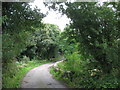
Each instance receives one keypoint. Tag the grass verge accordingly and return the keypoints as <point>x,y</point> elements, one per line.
<point>14,80</point>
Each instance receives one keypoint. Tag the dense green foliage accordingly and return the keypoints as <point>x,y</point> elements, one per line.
<point>95,28</point>
<point>25,38</point>
<point>90,43</point>
<point>18,21</point>
<point>43,43</point>
<point>94,32</point>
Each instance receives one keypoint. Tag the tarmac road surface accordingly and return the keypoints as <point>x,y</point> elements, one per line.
<point>39,77</point>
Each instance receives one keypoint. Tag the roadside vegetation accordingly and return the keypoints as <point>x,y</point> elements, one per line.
<point>27,42</point>
<point>13,78</point>
<point>90,43</point>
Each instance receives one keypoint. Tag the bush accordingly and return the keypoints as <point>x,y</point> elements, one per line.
<point>84,75</point>
<point>25,59</point>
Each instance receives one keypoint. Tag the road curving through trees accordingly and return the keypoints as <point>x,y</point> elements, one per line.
<point>40,77</point>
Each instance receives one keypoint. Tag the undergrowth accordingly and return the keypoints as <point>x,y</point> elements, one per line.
<point>84,75</point>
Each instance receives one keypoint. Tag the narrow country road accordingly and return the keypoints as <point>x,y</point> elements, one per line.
<point>40,77</point>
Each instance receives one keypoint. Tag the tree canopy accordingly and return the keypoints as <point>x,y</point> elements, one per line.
<point>90,43</point>
<point>96,28</point>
